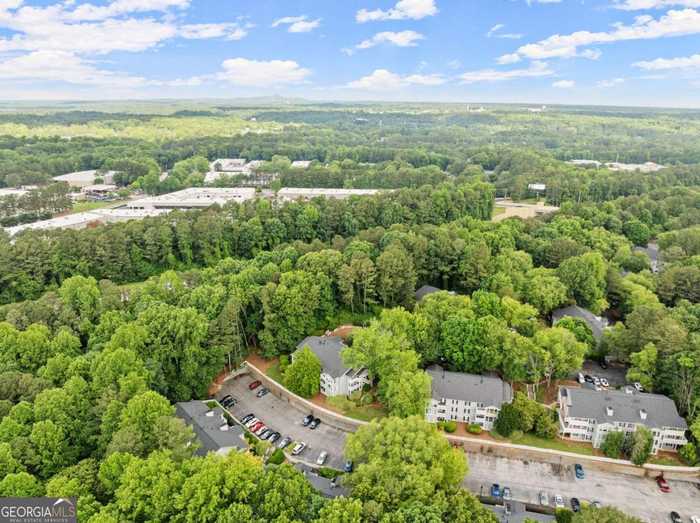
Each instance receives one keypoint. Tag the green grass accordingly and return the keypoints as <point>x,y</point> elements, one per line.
<point>357,318</point>
<point>498,210</point>
<point>666,460</point>
<point>275,373</point>
<point>554,444</point>
<point>352,410</point>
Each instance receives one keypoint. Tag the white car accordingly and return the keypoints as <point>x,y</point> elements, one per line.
<point>558,501</point>
<point>695,519</point>
<point>322,457</point>
<point>581,378</point>
<point>252,422</point>
<point>604,383</point>
<point>638,386</point>
<point>298,448</point>
<point>596,381</point>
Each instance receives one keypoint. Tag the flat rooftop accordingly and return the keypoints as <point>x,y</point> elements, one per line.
<point>194,198</point>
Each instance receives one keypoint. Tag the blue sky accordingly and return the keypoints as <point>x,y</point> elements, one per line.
<point>626,52</point>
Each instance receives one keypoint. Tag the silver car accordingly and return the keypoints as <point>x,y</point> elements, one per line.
<point>322,457</point>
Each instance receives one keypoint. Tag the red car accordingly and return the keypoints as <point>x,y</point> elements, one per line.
<point>663,485</point>
<point>257,426</point>
<point>255,384</point>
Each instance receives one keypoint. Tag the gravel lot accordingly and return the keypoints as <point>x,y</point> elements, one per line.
<point>284,418</point>
<point>637,496</point>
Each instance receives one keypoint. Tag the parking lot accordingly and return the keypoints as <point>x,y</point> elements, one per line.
<point>279,415</point>
<point>640,497</point>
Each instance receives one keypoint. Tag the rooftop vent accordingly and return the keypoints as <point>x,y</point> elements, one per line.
<point>210,413</point>
<point>609,410</point>
<point>643,414</point>
<point>224,427</point>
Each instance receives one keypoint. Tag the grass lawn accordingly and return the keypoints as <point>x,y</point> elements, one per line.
<point>91,206</point>
<point>666,460</point>
<point>352,410</point>
<point>554,444</point>
<point>275,373</point>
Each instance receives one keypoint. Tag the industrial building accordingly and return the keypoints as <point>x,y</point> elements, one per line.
<point>194,198</point>
<point>303,193</point>
<point>82,178</point>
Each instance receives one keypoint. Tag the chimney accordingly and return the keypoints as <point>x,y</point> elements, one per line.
<point>224,427</point>
<point>609,410</point>
<point>643,414</point>
<point>210,413</point>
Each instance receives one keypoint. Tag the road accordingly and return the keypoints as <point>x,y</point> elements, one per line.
<point>635,496</point>
<point>284,418</point>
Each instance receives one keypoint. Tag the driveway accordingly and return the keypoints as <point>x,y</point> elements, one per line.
<point>286,419</point>
<point>636,496</point>
<point>614,374</point>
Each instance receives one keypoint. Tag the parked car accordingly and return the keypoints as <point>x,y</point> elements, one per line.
<point>245,419</point>
<point>266,434</point>
<point>284,442</point>
<point>663,484</point>
<point>257,426</point>
<point>558,501</point>
<point>225,398</point>
<point>262,392</point>
<point>596,381</point>
<point>298,448</point>
<point>581,378</point>
<point>251,422</point>
<point>544,499</point>
<point>274,437</point>
<point>638,386</point>
<point>603,364</point>
<point>596,504</point>
<point>604,383</point>
<point>495,490</point>
<point>228,403</point>
<point>315,423</point>
<point>578,470</point>
<point>695,519</point>
<point>675,517</point>
<point>348,466</point>
<point>307,419</point>
<point>262,428</point>
<point>507,495</point>
<point>575,504</point>
<point>322,457</point>
<point>255,384</point>
<point>588,378</point>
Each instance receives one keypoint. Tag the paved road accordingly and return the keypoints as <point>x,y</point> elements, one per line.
<point>284,418</point>
<point>635,496</point>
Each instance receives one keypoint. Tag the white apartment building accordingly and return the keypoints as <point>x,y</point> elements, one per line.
<point>336,378</point>
<point>588,415</point>
<point>466,398</point>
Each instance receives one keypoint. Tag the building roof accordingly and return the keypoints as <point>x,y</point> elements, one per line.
<point>85,177</point>
<point>229,164</point>
<point>627,407</point>
<point>596,323</point>
<point>323,486</point>
<point>518,513</point>
<point>210,426</point>
<point>194,198</point>
<point>328,349</point>
<point>300,164</point>
<point>12,192</point>
<point>425,290</point>
<point>489,390</point>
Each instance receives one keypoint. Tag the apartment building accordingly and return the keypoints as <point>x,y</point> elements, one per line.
<point>466,398</point>
<point>588,415</point>
<point>337,379</point>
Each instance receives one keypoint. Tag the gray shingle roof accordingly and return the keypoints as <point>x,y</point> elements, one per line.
<point>208,427</point>
<point>596,323</point>
<point>323,486</point>
<point>327,348</point>
<point>424,291</point>
<point>490,391</point>
<point>626,406</point>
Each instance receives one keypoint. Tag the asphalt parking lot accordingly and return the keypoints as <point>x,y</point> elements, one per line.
<point>636,496</point>
<point>614,374</point>
<point>287,420</point>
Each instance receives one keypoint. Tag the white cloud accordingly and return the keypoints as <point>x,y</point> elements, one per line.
<point>636,5</point>
<point>506,59</point>
<point>10,4</point>
<point>495,32</point>
<point>610,83</point>
<point>297,24</point>
<point>530,2</point>
<point>564,84</point>
<point>261,73</point>
<point>403,10</point>
<point>399,39</point>
<point>230,31</point>
<point>536,69</point>
<point>673,23</point>
<point>383,80</point>
<point>663,64</point>
<point>121,7</point>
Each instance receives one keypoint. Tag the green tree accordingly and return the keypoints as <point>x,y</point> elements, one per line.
<point>396,281</point>
<point>303,376</point>
<point>643,367</point>
<point>589,514</point>
<point>584,276</point>
<point>642,441</point>
<point>20,484</point>
<point>613,444</point>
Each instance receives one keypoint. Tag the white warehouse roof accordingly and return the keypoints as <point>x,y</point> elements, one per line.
<point>194,198</point>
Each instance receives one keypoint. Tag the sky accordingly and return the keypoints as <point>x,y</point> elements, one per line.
<point>610,52</point>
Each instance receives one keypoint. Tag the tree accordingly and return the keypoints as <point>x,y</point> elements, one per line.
<point>341,510</point>
<point>397,278</point>
<point>282,493</point>
<point>51,447</point>
<point>613,444</point>
<point>643,367</point>
<point>20,484</point>
<point>401,460</point>
<point>565,352</point>
<point>580,329</point>
<point>302,377</point>
<point>590,514</point>
<point>642,441</point>
<point>584,276</point>
<point>508,420</point>
<point>407,393</point>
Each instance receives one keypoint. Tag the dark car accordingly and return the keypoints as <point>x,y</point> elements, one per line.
<point>348,466</point>
<point>266,434</point>
<point>588,378</point>
<point>284,443</point>
<point>603,365</point>
<point>262,392</point>
<point>578,469</point>
<point>229,403</point>
<point>315,423</point>
<point>255,384</point>
<point>676,517</point>
<point>495,490</point>
<point>245,419</point>
<point>575,504</point>
<point>225,398</point>
<point>274,437</point>
<point>308,419</point>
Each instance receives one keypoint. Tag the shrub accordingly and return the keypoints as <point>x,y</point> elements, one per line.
<point>474,428</point>
<point>277,457</point>
<point>450,426</point>
<point>643,441</point>
<point>612,444</point>
<point>441,425</point>
<point>284,362</point>
<point>545,426</point>
<point>508,420</point>
<point>689,454</point>
<point>564,515</point>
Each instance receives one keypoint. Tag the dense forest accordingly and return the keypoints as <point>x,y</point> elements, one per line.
<point>104,328</point>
